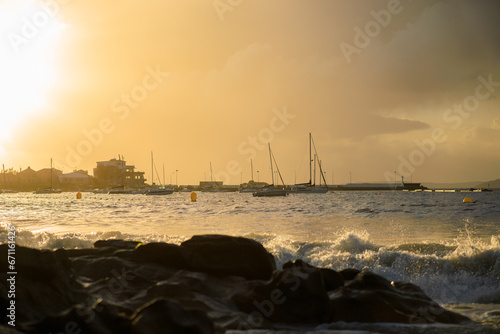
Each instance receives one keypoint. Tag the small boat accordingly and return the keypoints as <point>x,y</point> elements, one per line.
<point>310,187</point>
<point>160,190</point>
<point>213,187</point>
<point>251,186</point>
<point>272,190</point>
<point>247,190</point>
<point>48,191</point>
<point>120,190</point>
<point>157,190</point>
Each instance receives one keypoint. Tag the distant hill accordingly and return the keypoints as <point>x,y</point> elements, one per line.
<point>495,184</point>
<point>465,185</point>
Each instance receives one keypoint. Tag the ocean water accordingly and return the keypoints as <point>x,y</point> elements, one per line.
<point>449,248</point>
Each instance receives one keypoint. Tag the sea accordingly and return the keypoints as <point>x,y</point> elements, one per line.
<point>449,248</point>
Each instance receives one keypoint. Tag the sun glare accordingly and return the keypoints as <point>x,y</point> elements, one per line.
<point>29,35</point>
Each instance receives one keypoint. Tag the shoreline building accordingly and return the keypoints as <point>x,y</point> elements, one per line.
<point>78,179</point>
<point>116,173</point>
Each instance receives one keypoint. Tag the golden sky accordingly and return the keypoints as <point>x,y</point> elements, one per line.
<point>384,86</point>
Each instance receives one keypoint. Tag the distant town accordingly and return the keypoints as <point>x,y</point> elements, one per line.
<point>107,175</point>
<point>116,174</point>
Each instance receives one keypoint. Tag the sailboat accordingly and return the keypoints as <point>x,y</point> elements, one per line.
<point>250,186</point>
<point>51,190</point>
<point>310,187</point>
<point>213,184</point>
<point>161,189</point>
<point>272,190</point>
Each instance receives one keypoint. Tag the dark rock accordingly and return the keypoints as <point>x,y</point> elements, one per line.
<point>349,273</point>
<point>99,268</point>
<point>226,256</point>
<point>294,295</point>
<point>208,284</point>
<point>331,279</point>
<point>117,243</point>
<point>366,280</point>
<point>164,316</point>
<point>411,290</point>
<point>168,255</point>
<point>45,283</point>
<point>102,318</point>
<point>371,298</point>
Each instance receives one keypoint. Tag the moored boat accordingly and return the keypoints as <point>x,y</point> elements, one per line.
<point>310,187</point>
<point>272,190</point>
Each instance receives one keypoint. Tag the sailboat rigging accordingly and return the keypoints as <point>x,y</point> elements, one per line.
<point>272,190</point>
<point>160,189</point>
<point>310,187</point>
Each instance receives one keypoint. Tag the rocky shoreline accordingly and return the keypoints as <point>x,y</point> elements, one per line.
<point>208,284</point>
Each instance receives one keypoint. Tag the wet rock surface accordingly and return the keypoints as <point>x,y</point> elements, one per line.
<point>208,284</point>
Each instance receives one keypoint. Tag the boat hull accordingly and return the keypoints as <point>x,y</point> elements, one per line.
<point>159,192</point>
<point>270,193</point>
<point>309,191</point>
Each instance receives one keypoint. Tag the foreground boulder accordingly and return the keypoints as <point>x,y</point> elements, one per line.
<point>223,255</point>
<point>368,297</point>
<point>45,284</point>
<point>208,284</point>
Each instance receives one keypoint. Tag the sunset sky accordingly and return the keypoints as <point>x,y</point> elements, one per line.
<point>384,86</point>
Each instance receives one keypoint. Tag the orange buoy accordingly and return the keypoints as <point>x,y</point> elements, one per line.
<point>467,200</point>
<point>193,197</point>
<point>78,195</point>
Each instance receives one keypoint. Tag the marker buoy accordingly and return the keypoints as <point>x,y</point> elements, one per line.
<point>78,195</point>
<point>193,197</point>
<point>467,200</point>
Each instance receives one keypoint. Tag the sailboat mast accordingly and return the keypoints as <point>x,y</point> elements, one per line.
<point>251,167</point>
<point>211,175</point>
<point>51,173</point>
<point>321,171</point>
<point>4,178</point>
<point>310,160</point>
<point>152,170</point>
<point>271,158</point>
<point>314,183</point>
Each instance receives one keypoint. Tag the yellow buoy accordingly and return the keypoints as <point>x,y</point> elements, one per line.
<point>78,195</point>
<point>467,200</point>
<point>193,197</point>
